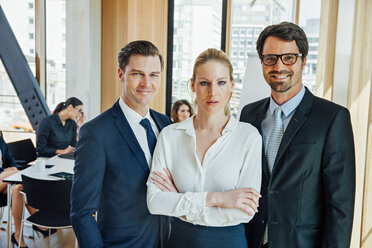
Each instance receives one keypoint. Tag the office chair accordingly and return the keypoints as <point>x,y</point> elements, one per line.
<point>3,204</point>
<point>23,152</point>
<point>52,199</point>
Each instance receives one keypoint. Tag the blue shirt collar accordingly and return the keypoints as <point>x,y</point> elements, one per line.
<point>290,106</point>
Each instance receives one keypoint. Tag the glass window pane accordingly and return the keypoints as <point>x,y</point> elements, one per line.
<point>55,52</point>
<point>197,26</point>
<point>310,21</point>
<point>21,17</point>
<point>248,19</point>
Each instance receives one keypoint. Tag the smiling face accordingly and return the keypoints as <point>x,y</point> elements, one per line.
<point>212,86</point>
<point>286,79</point>
<point>141,81</point>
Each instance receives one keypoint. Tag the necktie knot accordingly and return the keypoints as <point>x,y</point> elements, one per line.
<point>151,138</point>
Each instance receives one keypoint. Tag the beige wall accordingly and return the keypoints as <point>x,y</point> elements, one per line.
<point>359,101</point>
<point>124,21</point>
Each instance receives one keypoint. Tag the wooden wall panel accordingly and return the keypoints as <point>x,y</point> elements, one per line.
<point>124,21</point>
<point>359,103</point>
<point>326,49</point>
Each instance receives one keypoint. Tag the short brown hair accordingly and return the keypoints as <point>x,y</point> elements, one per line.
<point>141,47</point>
<point>287,31</point>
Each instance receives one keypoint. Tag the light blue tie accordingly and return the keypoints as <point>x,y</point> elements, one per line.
<point>272,148</point>
<point>275,139</point>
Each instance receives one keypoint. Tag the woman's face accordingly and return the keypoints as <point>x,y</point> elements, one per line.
<point>212,86</point>
<point>76,112</point>
<point>183,112</point>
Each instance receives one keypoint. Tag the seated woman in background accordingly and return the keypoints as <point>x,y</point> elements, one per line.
<point>8,166</point>
<point>206,170</point>
<point>58,133</point>
<point>181,110</point>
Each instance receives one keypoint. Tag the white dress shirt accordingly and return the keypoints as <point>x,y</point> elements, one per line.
<point>233,161</point>
<point>134,119</point>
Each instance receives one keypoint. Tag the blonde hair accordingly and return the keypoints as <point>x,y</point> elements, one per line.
<point>219,56</point>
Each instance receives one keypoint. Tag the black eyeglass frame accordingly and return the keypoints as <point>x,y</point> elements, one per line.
<point>281,58</point>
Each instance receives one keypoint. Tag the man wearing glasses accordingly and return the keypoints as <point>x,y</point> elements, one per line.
<point>308,178</point>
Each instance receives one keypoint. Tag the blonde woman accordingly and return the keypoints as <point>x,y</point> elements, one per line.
<point>206,170</point>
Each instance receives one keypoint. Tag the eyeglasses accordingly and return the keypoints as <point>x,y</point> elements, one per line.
<point>286,58</point>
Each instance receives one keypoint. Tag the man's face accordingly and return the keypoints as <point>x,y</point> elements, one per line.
<point>141,81</point>
<point>280,77</point>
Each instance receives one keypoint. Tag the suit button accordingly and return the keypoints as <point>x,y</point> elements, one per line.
<point>262,221</point>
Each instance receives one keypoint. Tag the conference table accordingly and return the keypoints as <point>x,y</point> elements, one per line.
<point>39,170</point>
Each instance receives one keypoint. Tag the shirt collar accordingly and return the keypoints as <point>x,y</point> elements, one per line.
<point>188,125</point>
<point>131,115</point>
<point>56,117</point>
<point>290,106</point>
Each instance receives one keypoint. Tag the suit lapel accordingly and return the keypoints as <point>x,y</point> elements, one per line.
<point>260,114</point>
<point>298,119</point>
<point>157,120</point>
<point>128,135</point>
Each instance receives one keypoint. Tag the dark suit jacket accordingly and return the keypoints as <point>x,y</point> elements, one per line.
<point>308,201</point>
<point>8,160</point>
<point>110,177</point>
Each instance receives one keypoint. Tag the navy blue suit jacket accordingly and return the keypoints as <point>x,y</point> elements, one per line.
<point>110,177</point>
<point>8,160</point>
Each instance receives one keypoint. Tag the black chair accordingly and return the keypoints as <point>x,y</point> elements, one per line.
<point>51,198</point>
<point>23,151</point>
<point>3,203</point>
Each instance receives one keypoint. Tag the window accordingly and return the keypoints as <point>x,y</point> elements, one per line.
<point>13,118</point>
<point>56,52</point>
<point>310,21</point>
<point>252,16</point>
<point>31,20</point>
<point>196,27</point>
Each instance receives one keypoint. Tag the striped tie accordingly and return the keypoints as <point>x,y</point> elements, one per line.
<point>275,139</point>
<point>272,148</point>
<point>151,138</point>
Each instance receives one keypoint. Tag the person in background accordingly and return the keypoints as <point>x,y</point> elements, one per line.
<point>113,156</point>
<point>206,170</point>
<point>181,110</point>
<point>58,132</point>
<point>308,169</point>
<point>8,167</point>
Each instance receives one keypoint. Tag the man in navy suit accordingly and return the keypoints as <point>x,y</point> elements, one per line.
<point>113,156</point>
<point>308,169</point>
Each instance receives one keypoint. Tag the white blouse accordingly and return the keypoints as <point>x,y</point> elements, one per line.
<point>233,161</point>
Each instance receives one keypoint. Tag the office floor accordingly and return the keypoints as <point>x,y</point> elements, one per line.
<point>64,238</point>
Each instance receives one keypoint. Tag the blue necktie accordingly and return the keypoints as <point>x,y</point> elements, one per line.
<point>151,138</point>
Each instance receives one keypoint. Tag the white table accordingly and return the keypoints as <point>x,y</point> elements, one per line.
<point>60,165</point>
